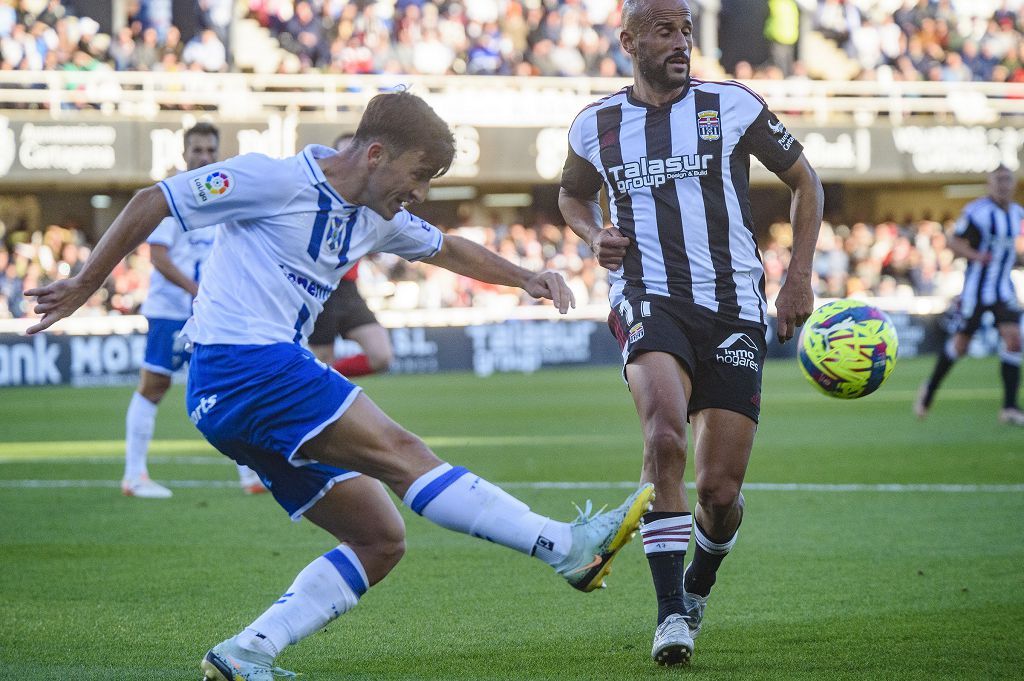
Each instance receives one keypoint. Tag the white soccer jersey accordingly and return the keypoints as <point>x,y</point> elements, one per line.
<point>287,239</point>
<point>187,251</point>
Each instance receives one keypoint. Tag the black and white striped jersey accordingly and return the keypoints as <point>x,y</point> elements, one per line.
<point>677,178</point>
<point>990,229</point>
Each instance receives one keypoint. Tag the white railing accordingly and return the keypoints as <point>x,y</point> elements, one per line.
<point>480,101</point>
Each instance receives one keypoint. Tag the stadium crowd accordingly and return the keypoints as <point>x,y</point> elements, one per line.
<point>936,40</point>
<point>886,259</point>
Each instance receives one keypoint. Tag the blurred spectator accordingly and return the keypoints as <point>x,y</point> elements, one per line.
<point>148,52</point>
<point>206,50</point>
<point>782,29</point>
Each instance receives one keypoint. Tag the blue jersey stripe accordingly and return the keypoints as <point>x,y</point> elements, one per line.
<point>348,571</point>
<point>343,253</point>
<point>299,323</point>
<point>438,485</point>
<point>323,212</point>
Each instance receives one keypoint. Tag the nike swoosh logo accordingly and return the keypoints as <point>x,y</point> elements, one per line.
<point>594,563</point>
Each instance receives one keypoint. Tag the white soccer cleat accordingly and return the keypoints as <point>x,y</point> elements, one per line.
<point>673,643</point>
<point>597,538</point>
<point>144,488</point>
<point>1011,416</point>
<point>694,606</point>
<point>228,661</point>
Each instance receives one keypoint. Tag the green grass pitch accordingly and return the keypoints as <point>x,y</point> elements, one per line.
<point>914,570</point>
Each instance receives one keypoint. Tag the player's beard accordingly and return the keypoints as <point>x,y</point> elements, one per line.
<point>656,74</point>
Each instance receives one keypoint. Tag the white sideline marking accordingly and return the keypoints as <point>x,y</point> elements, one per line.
<point>215,460</point>
<point>623,484</point>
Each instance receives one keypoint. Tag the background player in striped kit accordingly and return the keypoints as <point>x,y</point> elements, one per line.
<point>291,228</point>
<point>986,235</point>
<point>346,314</point>
<point>687,286</point>
<point>177,260</point>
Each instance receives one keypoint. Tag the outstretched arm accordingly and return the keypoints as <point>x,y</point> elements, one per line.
<point>129,229</point>
<point>795,301</point>
<point>469,259</point>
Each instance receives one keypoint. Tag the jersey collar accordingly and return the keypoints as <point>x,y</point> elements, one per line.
<point>316,176</point>
<point>644,105</point>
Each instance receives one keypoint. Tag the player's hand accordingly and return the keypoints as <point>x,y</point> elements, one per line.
<point>793,305</point>
<point>609,247</point>
<point>552,286</point>
<point>58,300</point>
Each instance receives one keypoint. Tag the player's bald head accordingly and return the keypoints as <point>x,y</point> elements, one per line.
<point>638,15</point>
<point>1002,183</point>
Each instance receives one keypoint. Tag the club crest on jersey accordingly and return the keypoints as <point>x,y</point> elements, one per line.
<point>335,232</point>
<point>709,125</point>
<point>209,186</point>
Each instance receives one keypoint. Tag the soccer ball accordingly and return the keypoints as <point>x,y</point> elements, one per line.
<point>847,349</point>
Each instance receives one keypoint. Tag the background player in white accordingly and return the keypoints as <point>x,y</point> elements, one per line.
<point>177,259</point>
<point>346,314</point>
<point>292,227</point>
<point>986,235</point>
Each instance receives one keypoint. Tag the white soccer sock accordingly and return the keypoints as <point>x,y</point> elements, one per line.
<point>458,500</point>
<point>1011,358</point>
<point>139,424</point>
<point>326,588</point>
<point>711,547</point>
<point>667,535</point>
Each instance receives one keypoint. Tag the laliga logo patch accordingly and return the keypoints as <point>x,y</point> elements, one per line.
<point>636,332</point>
<point>218,183</point>
<point>709,125</point>
<point>211,186</point>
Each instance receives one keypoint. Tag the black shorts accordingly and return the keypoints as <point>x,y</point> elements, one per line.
<point>723,357</point>
<point>1004,313</point>
<point>343,311</point>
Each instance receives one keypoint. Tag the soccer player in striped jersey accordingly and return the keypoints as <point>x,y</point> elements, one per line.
<point>292,228</point>
<point>687,286</point>
<point>178,259</point>
<point>987,236</point>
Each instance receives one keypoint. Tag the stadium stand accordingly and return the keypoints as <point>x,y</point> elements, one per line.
<point>902,40</point>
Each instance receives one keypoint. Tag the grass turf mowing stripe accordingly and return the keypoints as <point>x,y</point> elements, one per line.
<point>26,452</point>
<point>541,485</point>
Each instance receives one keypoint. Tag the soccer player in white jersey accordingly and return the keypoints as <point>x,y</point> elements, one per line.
<point>258,395</point>
<point>178,259</point>
<point>687,286</point>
